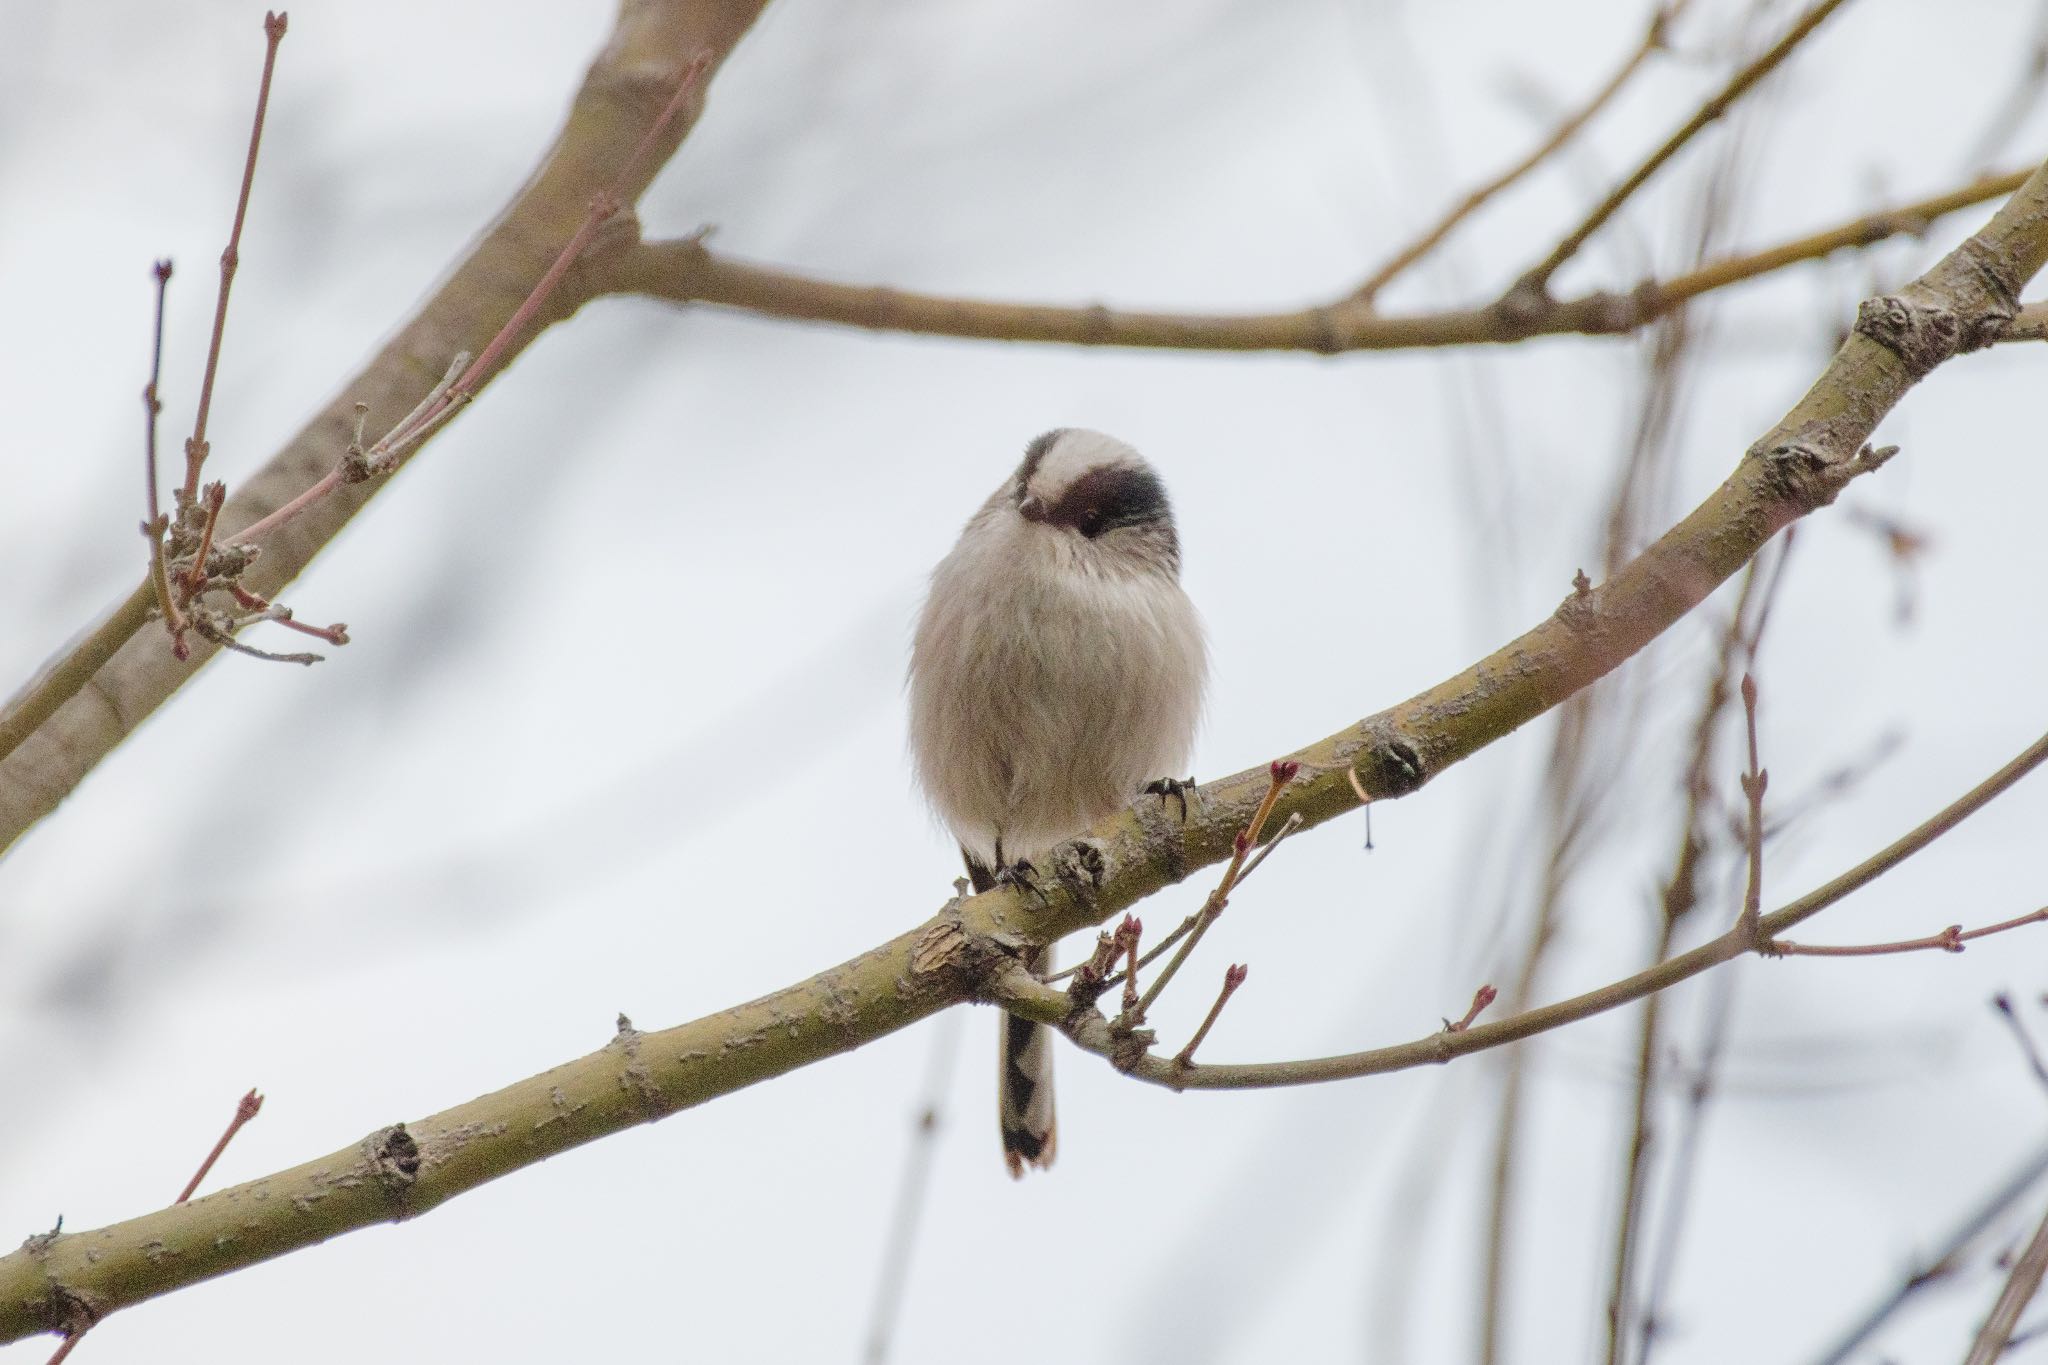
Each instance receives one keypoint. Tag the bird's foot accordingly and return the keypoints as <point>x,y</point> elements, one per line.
<point>1175,787</point>
<point>1020,874</point>
<point>1078,865</point>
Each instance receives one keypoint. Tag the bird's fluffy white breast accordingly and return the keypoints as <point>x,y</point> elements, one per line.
<point>1046,689</point>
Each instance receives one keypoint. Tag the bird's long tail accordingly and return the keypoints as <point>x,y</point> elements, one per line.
<point>1024,1108</point>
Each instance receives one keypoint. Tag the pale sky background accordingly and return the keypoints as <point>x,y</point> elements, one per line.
<point>621,728</point>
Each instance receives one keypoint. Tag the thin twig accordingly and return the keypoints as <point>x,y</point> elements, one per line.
<point>160,582</point>
<point>1280,774</point>
<point>196,446</point>
<point>1654,40</point>
<point>1093,973</point>
<point>248,1107</point>
<point>64,1348</point>
<point>1535,284</point>
<point>1439,1047</point>
<point>226,640</point>
<point>1753,783</point>
<point>245,1109</point>
<point>1233,977</point>
<point>212,499</point>
<point>1288,826</point>
<point>1146,959</point>
<point>356,463</point>
<point>336,634</point>
<point>1949,940</point>
<point>458,365</point>
<point>1128,934</point>
<point>152,406</point>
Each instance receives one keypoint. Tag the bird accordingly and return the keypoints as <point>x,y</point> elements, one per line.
<point>1056,672</point>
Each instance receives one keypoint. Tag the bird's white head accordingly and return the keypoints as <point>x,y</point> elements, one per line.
<point>1101,495</point>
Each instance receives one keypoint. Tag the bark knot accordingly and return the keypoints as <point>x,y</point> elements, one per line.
<point>395,1156</point>
<point>1921,335</point>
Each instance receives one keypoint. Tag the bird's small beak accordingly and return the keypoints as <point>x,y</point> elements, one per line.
<point>1030,508</point>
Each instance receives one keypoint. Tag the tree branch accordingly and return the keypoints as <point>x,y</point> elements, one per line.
<point>88,699</point>
<point>685,271</point>
<point>967,951</point>
<point>1023,993</point>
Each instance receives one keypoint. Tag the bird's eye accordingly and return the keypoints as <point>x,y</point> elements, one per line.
<point>1091,522</point>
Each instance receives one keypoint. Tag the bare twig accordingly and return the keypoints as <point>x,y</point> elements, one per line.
<point>1949,940</point>
<point>336,634</point>
<point>1288,826</point>
<point>212,498</point>
<point>1535,284</point>
<point>248,1107</point>
<point>1233,977</point>
<point>1128,934</point>
<point>1753,783</point>
<point>153,530</point>
<point>1281,772</point>
<point>152,405</point>
<point>196,445</point>
<point>1031,997</point>
<point>1654,40</point>
<point>221,635</point>
<point>245,1109</point>
<point>1092,977</point>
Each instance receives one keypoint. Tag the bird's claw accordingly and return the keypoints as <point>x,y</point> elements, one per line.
<point>1175,787</point>
<point>1020,874</point>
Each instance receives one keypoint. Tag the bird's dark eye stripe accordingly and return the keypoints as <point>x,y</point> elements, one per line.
<point>1108,497</point>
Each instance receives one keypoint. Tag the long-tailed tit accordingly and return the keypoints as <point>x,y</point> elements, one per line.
<point>1057,670</point>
